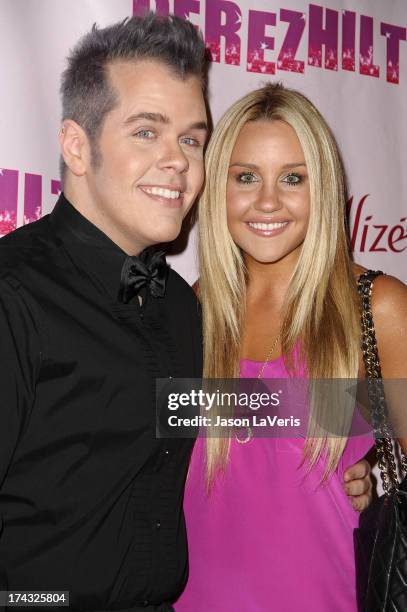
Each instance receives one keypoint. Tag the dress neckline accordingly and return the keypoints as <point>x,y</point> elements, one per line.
<point>244,360</point>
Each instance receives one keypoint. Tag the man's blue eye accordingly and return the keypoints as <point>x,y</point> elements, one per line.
<point>190,141</point>
<point>144,134</point>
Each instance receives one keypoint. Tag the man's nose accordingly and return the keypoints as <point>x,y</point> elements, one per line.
<point>173,158</point>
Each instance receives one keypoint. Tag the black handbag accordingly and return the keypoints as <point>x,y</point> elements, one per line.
<point>381,538</point>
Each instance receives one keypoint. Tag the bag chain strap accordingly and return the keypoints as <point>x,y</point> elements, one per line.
<point>377,399</point>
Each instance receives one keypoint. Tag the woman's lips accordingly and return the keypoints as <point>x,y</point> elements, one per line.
<point>267,229</point>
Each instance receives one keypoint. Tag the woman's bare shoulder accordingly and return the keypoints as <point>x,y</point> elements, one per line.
<point>389,296</point>
<point>387,288</point>
<point>389,307</point>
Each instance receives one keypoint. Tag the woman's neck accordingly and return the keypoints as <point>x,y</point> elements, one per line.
<point>269,280</point>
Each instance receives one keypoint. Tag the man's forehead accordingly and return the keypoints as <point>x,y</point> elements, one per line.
<point>147,75</point>
<point>149,87</point>
<point>146,82</point>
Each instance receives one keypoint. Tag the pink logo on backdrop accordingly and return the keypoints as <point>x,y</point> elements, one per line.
<point>333,42</point>
<point>8,198</point>
<point>366,235</point>
<point>30,200</point>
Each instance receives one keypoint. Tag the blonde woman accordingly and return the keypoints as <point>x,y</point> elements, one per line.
<point>269,524</point>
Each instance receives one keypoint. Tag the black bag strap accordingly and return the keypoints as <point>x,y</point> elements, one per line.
<point>377,399</point>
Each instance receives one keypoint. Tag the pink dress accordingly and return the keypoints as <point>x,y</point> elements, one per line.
<point>268,539</point>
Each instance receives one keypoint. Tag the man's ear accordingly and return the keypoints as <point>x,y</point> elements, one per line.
<point>75,147</point>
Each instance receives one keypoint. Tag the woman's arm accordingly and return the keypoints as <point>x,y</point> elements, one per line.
<point>389,307</point>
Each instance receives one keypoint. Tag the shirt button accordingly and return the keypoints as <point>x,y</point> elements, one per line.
<point>158,524</point>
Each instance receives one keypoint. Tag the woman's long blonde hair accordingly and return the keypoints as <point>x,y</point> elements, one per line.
<point>321,307</point>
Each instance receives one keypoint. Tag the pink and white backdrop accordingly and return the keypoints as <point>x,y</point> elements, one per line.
<point>348,56</point>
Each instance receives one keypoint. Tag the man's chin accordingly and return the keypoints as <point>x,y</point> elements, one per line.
<point>167,233</point>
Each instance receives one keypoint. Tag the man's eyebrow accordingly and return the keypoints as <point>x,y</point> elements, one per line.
<point>160,118</point>
<point>157,117</point>
<point>199,125</point>
<point>254,167</point>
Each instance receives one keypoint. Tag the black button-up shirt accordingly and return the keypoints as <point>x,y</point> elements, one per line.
<point>90,500</point>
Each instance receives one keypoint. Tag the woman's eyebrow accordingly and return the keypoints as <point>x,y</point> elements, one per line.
<point>254,167</point>
<point>245,165</point>
<point>294,165</point>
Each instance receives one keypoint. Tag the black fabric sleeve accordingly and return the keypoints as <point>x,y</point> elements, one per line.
<point>20,358</point>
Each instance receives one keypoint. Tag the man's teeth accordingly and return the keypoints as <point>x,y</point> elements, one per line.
<point>163,193</point>
<point>267,226</point>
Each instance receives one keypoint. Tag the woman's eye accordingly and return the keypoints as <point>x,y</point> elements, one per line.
<point>144,134</point>
<point>292,179</point>
<point>247,178</point>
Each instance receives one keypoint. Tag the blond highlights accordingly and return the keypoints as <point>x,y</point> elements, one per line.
<point>321,307</point>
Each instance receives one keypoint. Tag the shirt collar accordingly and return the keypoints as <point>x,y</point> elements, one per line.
<point>101,258</point>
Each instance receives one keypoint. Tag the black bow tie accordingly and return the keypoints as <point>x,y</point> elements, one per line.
<point>149,269</point>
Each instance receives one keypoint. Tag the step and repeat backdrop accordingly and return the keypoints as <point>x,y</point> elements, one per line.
<point>348,56</point>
